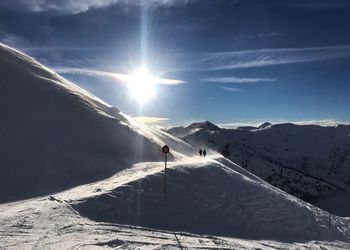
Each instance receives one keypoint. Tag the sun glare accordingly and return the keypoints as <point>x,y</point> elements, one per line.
<point>142,85</point>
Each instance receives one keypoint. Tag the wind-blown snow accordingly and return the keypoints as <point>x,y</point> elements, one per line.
<point>56,137</point>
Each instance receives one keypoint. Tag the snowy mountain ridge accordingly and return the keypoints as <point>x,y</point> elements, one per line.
<point>55,135</point>
<point>308,161</point>
<point>77,173</point>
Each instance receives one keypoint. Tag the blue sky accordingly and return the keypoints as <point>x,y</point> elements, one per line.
<point>241,61</point>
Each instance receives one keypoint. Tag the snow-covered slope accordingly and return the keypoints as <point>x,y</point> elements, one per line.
<point>210,196</point>
<point>55,135</point>
<point>63,136</point>
<point>53,224</point>
<point>306,161</point>
<point>216,198</point>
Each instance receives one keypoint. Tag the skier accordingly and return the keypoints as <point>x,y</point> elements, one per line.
<point>204,152</point>
<point>200,152</point>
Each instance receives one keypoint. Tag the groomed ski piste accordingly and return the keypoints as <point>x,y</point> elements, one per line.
<point>77,173</point>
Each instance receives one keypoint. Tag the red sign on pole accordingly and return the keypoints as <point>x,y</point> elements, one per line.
<point>165,150</point>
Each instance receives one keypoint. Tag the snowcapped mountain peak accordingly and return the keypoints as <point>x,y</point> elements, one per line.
<point>182,131</point>
<point>265,125</point>
<point>309,154</point>
<point>203,125</point>
<point>55,136</point>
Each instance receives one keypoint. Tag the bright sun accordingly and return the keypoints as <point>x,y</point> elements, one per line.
<point>142,85</point>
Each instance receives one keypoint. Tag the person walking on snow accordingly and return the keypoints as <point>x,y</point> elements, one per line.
<point>200,152</point>
<point>204,152</point>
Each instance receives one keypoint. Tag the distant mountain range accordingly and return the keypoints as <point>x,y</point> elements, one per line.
<point>76,172</point>
<point>307,161</point>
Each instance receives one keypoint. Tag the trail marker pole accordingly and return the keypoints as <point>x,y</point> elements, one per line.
<point>165,150</point>
<point>165,158</point>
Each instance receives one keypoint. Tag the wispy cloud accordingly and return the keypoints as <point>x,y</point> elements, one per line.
<point>51,49</point>
<point>263,57</point>
<point>77,6</point>
<point>64,6</point>
<point>230,89</point>
<point>151,120</point>
<point>257,123</point>
<point>7,37</point>
<point>237,80</point>
<point>112,75</point>
<point>324,123</point>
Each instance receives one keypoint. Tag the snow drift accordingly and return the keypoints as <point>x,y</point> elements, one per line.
<point>55,135</point>
<point>213,198</point>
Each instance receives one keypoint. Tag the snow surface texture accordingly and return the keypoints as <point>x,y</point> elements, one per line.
<point>237,206</point>
<point>80,139</point>
<point>212,198</point>
<point>306,161</point>
<point>55,135</point>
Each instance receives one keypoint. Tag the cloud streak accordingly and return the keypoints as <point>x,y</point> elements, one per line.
<point>230,89</point>
<point>257,123</point>
<point>77,6</point>
<point>115,76</point>
<point>7,37</point>
<point>264,57</point>
<point>237,80</point>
